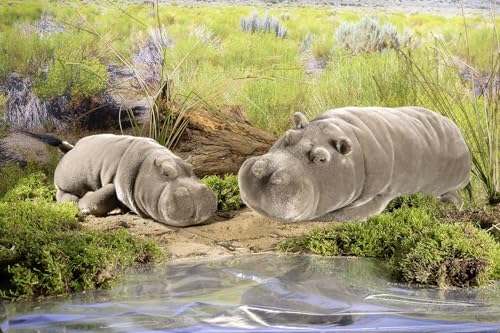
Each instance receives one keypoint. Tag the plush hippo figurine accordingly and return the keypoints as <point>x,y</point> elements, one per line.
<point>103,172</point>
<point>348,163</point>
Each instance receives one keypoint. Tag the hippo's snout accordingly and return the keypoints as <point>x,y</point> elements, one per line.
<point>189,205</point>
<point>276,185</point>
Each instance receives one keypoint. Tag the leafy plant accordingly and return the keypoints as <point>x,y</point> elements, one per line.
<point>226,190</point>
<point>368,79</point>
<point>31,177</point>
<point>433,205</point>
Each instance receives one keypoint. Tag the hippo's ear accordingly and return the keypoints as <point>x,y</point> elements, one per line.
<point>168,170</point>
<point>189,159</point>
<point>319,155</point>
<point>300,120</point>
<point>166,167</point>
<point>343,145</point>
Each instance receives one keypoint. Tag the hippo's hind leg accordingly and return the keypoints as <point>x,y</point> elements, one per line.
<point>453,197</point>
<point>358,213</point>
<point>99,202</point>
<point>65,196</point>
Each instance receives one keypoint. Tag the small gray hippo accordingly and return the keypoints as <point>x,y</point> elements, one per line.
<point>348,163</point>
<point>103,172</point>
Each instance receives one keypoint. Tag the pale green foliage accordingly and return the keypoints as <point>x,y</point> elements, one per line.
<point>23,53</point>
<point>272,100</point>
<point>3,125</point>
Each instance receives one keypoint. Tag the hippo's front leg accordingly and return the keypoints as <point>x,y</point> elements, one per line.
<point>100,202</point>
<point>65,196</point>
<point>359,213</point>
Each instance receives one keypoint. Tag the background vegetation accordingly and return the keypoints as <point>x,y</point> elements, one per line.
<point>274,61</point>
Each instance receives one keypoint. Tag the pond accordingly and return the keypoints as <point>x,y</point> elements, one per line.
<point>262,293</point>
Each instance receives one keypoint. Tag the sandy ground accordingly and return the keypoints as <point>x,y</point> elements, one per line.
<point>243,233</point>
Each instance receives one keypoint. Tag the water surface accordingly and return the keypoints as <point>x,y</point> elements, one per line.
<point>262,293</point>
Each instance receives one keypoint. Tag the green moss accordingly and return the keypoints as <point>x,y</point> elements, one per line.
<point>433,205</point>
<point>32,174</point>
<point>226,190</point>
<point>31,187</point>
<point>44,250</point>
<point>419,247</point>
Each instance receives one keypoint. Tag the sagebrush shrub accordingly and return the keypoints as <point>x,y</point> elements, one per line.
<point>368,35</point>
<point>266,24</point>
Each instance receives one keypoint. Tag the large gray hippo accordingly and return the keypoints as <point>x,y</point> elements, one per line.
<point>348,163</point>
<point>105,171</point>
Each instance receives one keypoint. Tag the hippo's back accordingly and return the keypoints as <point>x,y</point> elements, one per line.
<point>93,162</point>
<point>408,148</point>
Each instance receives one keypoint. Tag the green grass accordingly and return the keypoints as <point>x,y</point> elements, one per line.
<point>419,247</point>
<point>369,79</point>
<point>76,70</point>
<point>44,250</point>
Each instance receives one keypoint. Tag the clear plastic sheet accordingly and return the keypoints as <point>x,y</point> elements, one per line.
<point>263,293</point>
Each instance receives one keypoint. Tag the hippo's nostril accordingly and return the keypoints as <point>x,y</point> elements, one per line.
<point>280,177</point>
<point>259,168</point>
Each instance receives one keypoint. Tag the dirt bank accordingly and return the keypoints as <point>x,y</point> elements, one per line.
<point>243,233</point>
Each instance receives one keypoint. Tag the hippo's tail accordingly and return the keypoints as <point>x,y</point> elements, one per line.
<point>51,140</point>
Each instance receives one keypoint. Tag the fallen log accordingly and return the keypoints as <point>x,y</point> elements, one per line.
<point>220,141</point>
